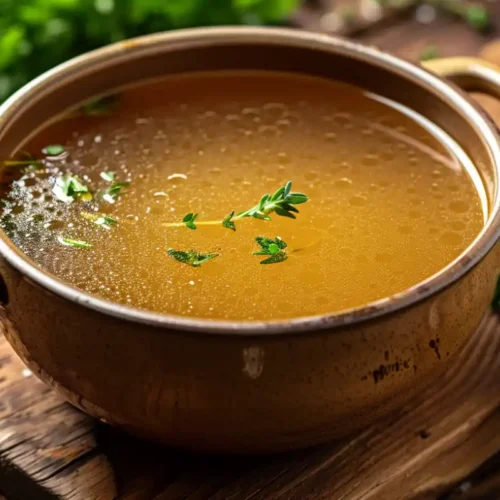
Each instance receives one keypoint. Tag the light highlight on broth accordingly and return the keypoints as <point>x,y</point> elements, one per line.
<point>389,205</point>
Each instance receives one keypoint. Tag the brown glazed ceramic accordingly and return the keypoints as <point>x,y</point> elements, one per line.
<point>251,387</point>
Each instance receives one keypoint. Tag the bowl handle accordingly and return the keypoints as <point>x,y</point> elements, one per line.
<point>469,73</point>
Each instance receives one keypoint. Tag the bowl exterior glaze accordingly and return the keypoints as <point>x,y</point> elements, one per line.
<point>235,389</point>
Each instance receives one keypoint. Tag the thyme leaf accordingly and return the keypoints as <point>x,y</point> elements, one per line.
<point>189,219</point>
<point>228,222</point>
<point>73,243</point>
<point>275,248</point>
<point>192,257</point>
<point>105,221</point>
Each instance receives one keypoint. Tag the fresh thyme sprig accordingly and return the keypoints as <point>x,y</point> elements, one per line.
<point>274,248</point>
<point>281,202</point>
<point>51,151</point>
<point>192,258</point>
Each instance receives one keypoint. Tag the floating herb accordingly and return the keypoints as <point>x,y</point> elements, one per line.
<point>280,202</point>
<point>108,176</point>
<point>102,220</point>
<point>53,150</point>
<point>192,258</point>
<point>73,243</point>
<point>114,191</point>
<point>275,248</point>
<point>101,106</point>
<point>69,187</point>
<point>189,219</point>
<point>28,161</point>
<point>228,221</point>
<point>8,224</point>
<point>22,163</point>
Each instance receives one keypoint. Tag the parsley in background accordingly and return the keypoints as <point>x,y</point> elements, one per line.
<point>36,35</point>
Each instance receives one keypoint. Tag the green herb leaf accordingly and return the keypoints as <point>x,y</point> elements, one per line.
<point>22,163</point>
<point>275,248</point>
<point>192,258</point>
<point>108,176</point>
<point>69,187</point>
<point>102,220</point>
<point>100,106</point>
<point>227,222</point>
<point>114,191</point>
<point>189,219</point>
<point>73,243</point>
<point>281,202</point>
<point>53,150</point>
<point>8,224</point>
<point>274,259</point>
<point>28,160</point>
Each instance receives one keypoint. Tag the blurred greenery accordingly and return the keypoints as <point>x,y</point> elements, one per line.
<point>36,35</point>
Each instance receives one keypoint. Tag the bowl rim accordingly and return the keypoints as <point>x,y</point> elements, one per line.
<point>198,37</point>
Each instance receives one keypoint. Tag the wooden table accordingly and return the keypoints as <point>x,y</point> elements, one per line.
<point>444,445</point>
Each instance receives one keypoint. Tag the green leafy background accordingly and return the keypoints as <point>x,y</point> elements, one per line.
<point>36,35</point>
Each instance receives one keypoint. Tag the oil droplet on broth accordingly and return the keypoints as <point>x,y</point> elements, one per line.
<point>373,226</point>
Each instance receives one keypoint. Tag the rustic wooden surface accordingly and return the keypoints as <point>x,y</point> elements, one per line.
<point>444,445</point>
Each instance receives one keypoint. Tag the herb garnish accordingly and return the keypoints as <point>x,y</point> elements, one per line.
<point>108,176</point>
<point>69,187</point>
<point>53,150</point>
<point>228,221</point>
<point>114,190</point>
<point>30,160</point>
<point>275,248</point>
<point>189,219</point>
<point>192,257</point>
<point>281,202</point>
<point>73,243</point>
<point>101,106</point>
<point>102,220</point>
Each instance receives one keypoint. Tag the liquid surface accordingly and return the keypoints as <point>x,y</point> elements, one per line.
<point>389,204</point>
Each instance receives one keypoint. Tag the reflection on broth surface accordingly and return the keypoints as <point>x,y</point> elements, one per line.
<point>389,204</point>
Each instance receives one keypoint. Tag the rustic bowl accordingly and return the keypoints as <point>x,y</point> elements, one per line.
<point>251,386</point>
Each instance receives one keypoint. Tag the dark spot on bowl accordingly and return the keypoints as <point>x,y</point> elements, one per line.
<point>423,434</point>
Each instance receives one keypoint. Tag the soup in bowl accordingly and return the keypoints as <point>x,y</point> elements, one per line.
<point>244,240</point>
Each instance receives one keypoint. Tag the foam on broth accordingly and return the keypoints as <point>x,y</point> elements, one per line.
<point>390,204</point>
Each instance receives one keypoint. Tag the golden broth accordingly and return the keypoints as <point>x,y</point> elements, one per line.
<point>389,203</point>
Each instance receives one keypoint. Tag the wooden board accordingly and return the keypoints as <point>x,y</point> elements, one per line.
<point>445,444</point>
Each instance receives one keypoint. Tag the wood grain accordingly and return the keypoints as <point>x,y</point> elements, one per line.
<point>445,444</point>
